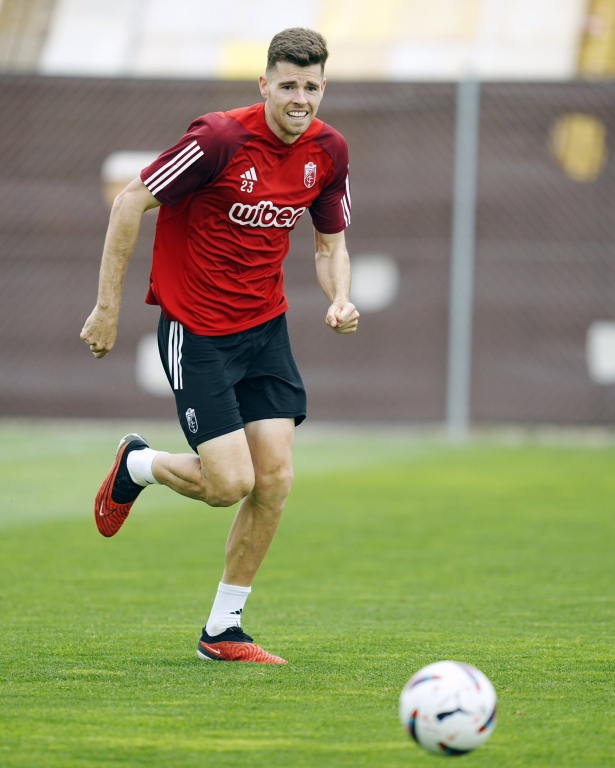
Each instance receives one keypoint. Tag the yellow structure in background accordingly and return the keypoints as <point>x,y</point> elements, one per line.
<point>360,34</point>
<point>394,20</point>
<point>240,57</point>
<point>579,146</point>
<point>359,20</point>
<point>597,55</point>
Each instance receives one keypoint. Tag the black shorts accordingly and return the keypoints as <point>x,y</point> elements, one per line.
<point>221,383</point>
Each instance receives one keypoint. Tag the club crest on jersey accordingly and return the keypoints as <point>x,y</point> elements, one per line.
<point>193,425</point>
<point>309,175</point>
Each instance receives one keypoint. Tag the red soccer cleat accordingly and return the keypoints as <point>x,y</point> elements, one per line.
<point>118,493</point>
<point>234,645</point>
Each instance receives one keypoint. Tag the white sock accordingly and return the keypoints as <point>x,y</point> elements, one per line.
<point>139,465</point>
<point>227,608</point>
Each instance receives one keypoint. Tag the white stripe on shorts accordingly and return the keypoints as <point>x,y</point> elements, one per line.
<point>179,355</point>
<point>174,354</point>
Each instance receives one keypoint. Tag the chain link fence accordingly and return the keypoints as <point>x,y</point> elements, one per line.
<point>544,270</point>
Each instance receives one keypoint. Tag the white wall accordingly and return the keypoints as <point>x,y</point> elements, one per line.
<point>91,37</point>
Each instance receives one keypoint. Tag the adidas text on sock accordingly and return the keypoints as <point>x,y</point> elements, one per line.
<point>227,608</point>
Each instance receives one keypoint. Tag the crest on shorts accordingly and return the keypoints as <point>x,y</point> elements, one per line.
<point>309,175</point>
<point>191,419</point>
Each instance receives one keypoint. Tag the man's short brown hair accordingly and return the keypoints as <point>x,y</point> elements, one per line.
<point>300,46</point>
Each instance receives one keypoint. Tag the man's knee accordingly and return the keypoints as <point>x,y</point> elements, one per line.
<point>275,484</point>
<point>226,491</point>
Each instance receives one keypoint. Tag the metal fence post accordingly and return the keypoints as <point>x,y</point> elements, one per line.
<point>462,261</point>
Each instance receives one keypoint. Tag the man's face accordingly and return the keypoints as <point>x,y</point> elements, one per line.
<point>293,95</point>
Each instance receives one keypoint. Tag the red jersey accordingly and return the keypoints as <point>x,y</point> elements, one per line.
<point>231,192</point>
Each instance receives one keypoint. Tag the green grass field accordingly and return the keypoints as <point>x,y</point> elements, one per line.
<point>393,553</point>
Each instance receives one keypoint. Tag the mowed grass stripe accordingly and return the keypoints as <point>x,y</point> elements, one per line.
<point>501,557</point>
<point>31,450</point>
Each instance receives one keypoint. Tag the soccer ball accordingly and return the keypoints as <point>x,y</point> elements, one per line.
<point>448,708</point>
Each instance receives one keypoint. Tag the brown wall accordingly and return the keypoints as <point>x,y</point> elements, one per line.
<point>545,265</point>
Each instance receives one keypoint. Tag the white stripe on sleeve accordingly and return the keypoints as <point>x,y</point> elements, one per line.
<point>154,189</point>
<point>345,210</point>
<point>190,148</point>
<point>176,164</point>
<point>348,208</point>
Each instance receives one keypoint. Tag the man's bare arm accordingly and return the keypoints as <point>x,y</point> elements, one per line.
<point>333,272</point>
<point>100,329</point>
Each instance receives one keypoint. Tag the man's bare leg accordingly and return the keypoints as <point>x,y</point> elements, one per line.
<point>220,475</point>
<point>258,517</point>
<point>270,443</point>
<point>255,464</point>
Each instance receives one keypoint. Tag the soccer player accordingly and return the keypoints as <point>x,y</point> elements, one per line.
<point>230,192</point>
